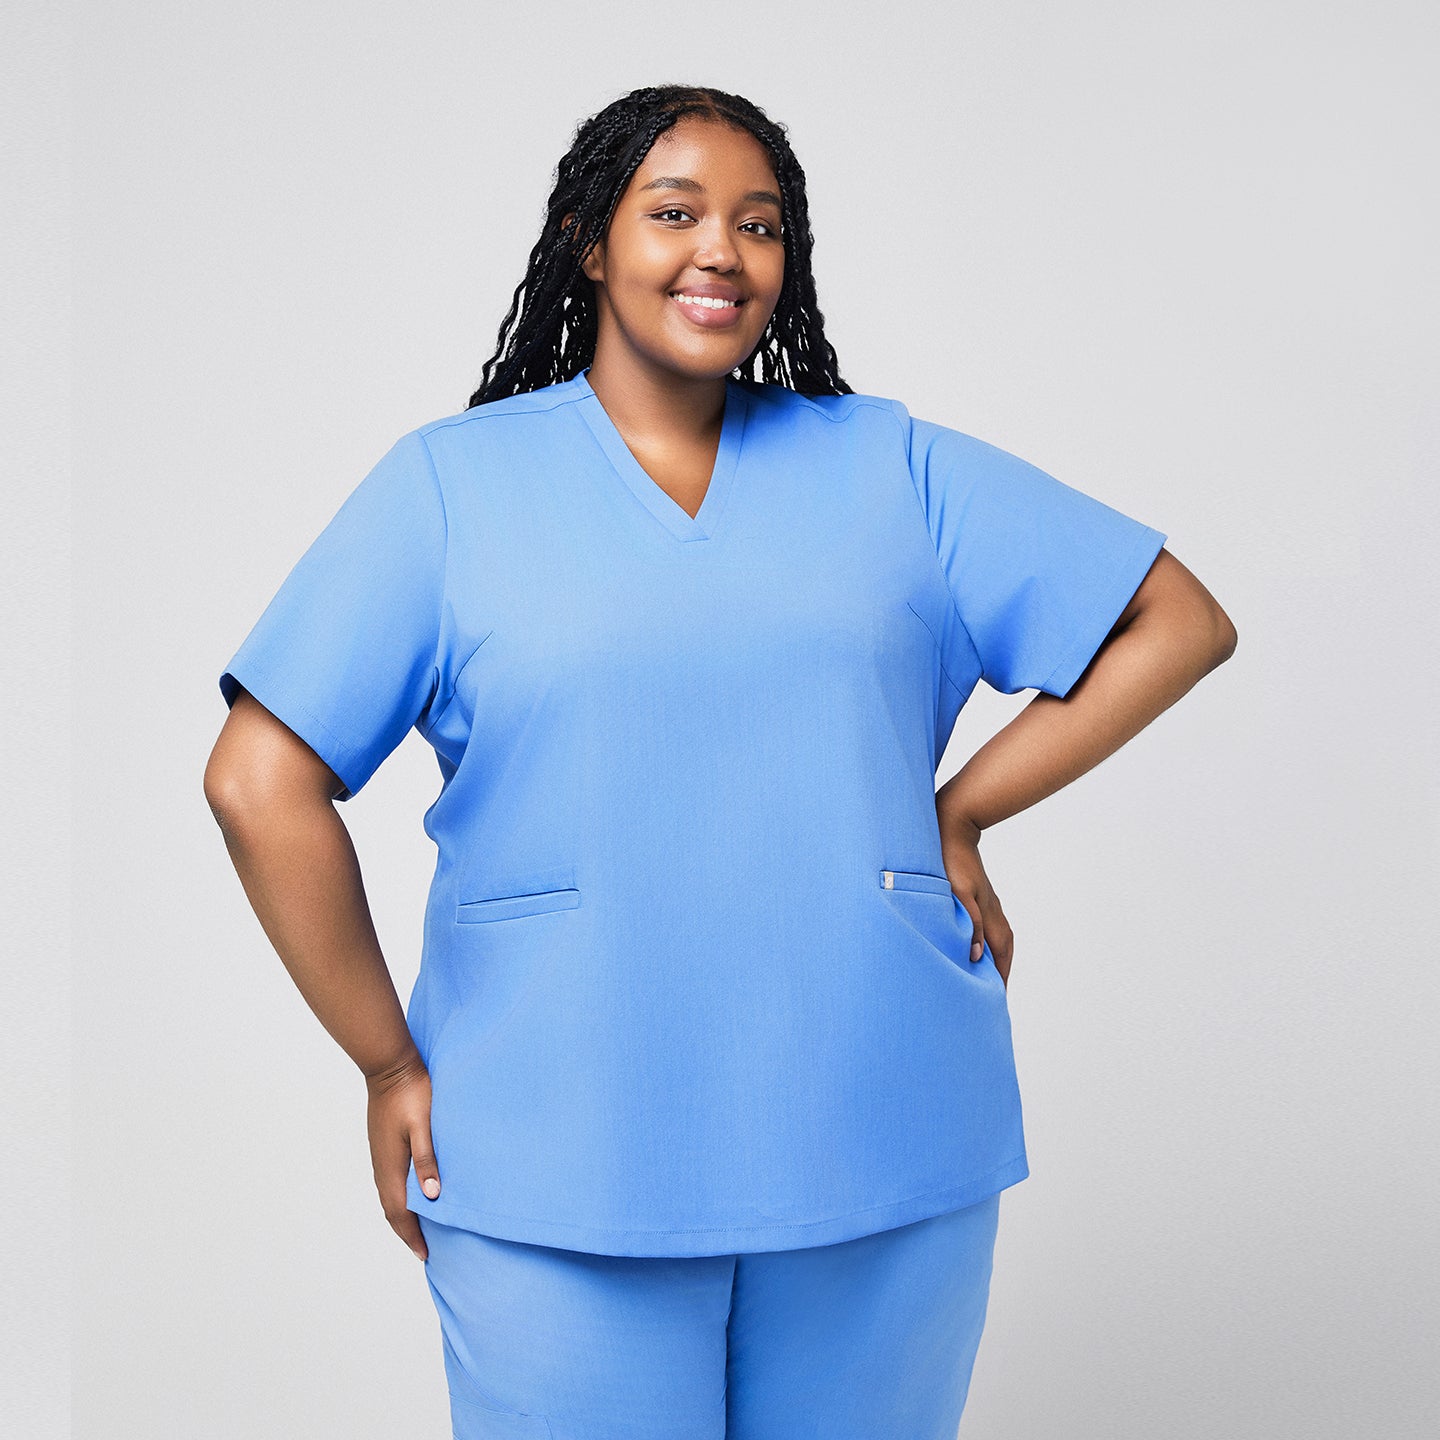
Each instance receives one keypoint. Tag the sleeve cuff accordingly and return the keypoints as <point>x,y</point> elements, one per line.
<point>269,690</point>
<point>1124,582</point>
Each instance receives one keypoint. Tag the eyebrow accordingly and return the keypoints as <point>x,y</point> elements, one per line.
<point>684,182</point>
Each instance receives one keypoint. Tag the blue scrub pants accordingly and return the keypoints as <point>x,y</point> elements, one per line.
<point>868,1339</point>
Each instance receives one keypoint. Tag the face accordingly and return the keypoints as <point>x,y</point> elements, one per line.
<point>699,218</point>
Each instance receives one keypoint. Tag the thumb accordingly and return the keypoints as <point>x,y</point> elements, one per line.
<point>422,1154</point>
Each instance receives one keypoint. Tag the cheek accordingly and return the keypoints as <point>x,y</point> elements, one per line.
<point>766,306</point>
<point>772,279</point>
<point>652,261</point>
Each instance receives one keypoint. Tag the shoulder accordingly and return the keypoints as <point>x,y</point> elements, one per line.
<point>884,421</point>
<point>852,413</point>
<point>483,420</point>
<point>493,437</point>
<point>862,409</point>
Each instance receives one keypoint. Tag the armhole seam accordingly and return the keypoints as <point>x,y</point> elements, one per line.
<point>444,564</point>
<point>930,536</point>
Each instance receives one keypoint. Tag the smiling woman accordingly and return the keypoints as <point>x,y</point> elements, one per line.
<point>686,274</point>
<point>710,303</point>
<point>705,1095</point>
<point>698,227</point>
<point>670,190</point>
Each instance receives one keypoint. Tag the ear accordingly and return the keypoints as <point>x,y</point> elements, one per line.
<point>593,266</point>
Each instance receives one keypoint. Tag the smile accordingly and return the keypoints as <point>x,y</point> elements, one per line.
<point>708,312</point>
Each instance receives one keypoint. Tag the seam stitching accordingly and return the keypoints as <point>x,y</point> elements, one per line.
<point>746,1229</point>
<point>930,535</point>
<point>445,561</point>
<point>939,653</point>
<point>473,414</point>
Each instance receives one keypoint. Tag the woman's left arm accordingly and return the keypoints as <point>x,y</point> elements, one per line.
<point>1170,635</point>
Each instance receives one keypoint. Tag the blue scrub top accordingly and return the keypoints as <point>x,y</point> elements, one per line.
<point>693,979</point>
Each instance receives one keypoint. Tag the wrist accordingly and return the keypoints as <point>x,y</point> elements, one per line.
<point>955,819</point>
<point>395,1069</point>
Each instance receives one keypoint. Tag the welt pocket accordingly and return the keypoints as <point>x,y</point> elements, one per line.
<point>535,894</point>
<point>915,880</point>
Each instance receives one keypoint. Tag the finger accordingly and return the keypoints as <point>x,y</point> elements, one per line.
<point>977,944</point>
<point>403,1221</point>
<point>1001,940</point>
<point>422,1153</point>
<point>391,1171</point>
<point>408,1229</point>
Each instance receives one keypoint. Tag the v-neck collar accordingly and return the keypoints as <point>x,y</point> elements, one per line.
<point>668,512</point>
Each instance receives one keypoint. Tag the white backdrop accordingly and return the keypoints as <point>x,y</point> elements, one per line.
<point>1182,257</point>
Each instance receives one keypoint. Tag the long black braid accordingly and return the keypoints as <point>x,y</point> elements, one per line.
<point>554,337</point>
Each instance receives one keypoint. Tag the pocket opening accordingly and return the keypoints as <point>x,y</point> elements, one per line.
<point>536,894</point>
<point>915,880</point>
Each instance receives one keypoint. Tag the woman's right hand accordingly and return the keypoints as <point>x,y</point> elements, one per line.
<point>398,1121</point>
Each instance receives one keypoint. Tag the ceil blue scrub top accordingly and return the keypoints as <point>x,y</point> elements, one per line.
<point>693,979</point>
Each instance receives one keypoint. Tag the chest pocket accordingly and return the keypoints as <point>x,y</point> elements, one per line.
<point>536,893</point>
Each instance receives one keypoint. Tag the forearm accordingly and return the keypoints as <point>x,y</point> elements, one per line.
<point>300,872</point>
<point>1139,672</point>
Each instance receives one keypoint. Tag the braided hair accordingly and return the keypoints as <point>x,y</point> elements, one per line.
<point>553,338</point>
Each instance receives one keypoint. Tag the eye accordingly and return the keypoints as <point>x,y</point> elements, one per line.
<point>770,231</point>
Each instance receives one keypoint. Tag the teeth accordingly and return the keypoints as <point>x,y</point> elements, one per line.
<point>707,300</point>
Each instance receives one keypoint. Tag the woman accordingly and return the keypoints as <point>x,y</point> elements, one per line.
<point>705,1095</point>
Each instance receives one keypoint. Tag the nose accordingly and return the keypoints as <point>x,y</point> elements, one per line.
<point>715,250</point>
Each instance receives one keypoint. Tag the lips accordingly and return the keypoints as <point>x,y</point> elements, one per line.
<point>708,317</point>
<point>711,290</point>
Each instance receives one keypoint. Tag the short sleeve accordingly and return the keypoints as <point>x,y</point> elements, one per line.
<point>346,653</point>
<point>1039,571</point>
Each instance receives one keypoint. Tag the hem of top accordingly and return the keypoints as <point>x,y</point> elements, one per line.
<point>1084,650</point>
<point>719,1240</point>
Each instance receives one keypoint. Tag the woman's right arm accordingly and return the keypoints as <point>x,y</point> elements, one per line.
<point>273,798</point>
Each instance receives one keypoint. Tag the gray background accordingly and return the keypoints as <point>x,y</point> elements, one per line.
<point>1182,257</point>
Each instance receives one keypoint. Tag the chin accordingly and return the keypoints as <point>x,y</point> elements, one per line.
<point>701,366</point>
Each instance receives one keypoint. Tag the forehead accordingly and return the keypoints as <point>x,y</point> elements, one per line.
<point>710,155</point>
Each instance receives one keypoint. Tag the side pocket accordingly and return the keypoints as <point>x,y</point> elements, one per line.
<point>474,1413</point>
<point>932,909</point>
<point>535,894</point>
<point>473,1421</point>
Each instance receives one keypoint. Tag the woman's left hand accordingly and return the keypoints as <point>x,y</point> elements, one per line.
<point>972,887</point>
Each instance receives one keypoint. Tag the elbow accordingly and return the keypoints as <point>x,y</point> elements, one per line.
<point>239,792</point>
<point>227,792</point>
<point>1188,620</point>
<point>1196,623</point>
<point>1213,640</point>
<point>1201,631</point>
<point>247,786</point>
<point>1223,637</point>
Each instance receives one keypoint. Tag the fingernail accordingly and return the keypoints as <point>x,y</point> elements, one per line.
<point>977,949</point>
<point>431,1186</point>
